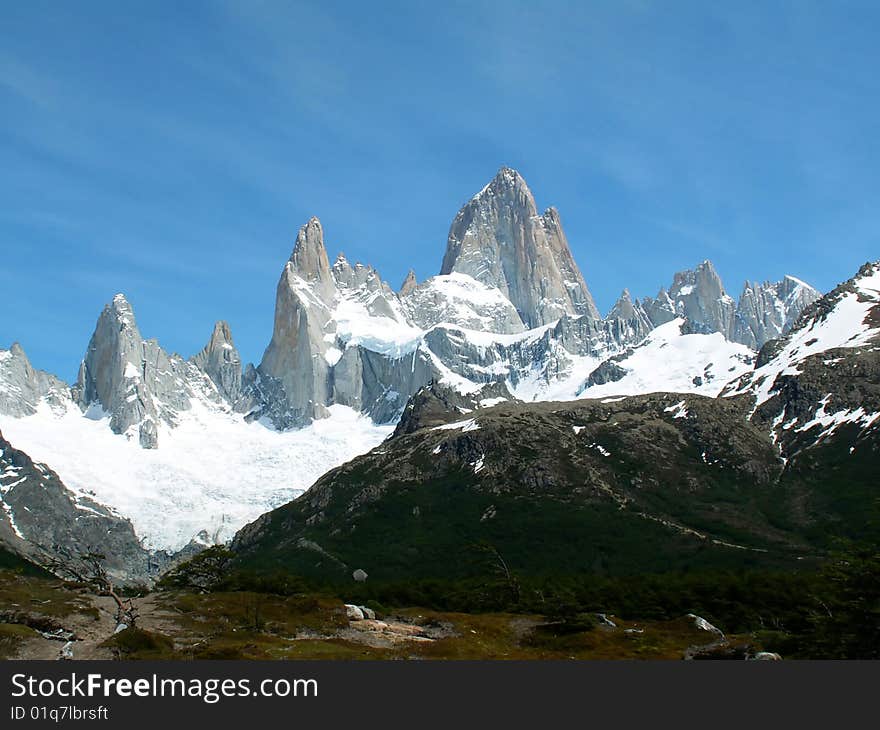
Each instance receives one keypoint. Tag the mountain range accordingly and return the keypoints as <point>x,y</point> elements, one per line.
<point>187,451</point>
<point>773,471</point>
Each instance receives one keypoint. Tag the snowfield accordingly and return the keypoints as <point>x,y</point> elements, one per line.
<point>669,361</point>
<point>213,473</point>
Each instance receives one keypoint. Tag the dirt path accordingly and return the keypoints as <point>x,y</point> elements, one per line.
<point>90,632</point>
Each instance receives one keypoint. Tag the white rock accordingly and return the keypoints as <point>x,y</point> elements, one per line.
<point>701,623</point>
<point>767,656</point>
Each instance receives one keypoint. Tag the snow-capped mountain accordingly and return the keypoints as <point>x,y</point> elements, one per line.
<point>825,374</point>
<point>697,295</point>
<point>135,381</point>
<point>195,448</point>
<point>764,311</point>
<point>777,469</point>
<point>768,311</point>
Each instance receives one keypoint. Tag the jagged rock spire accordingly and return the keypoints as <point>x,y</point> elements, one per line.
<point>294,364</point>
<point>409,283</point>
<point>623,308</point>
<point>629,319</point>
<point>221,362</point>
<point>499,238</point>
<point>698,295</point>
<point>767,311</point>
<point>22,387</point>
<point>764,311</point>
<point>309,258</point>
<point>112,374</point>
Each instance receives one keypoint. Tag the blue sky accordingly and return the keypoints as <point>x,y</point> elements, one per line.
<point>172,150</point>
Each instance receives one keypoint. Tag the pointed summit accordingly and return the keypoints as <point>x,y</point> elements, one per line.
<point>221,362</point>
<point>768,311</point>
<point>623,308</point>
<point>309,258</point>
<point>499,239</point>
<point>22,388</point>
<point>294,364</point>
<point>508,183</point>
<point>221,336</point>
<point>409,283</point>
<point>112,374</point>
<point>121,311</point>
<point>630,318</point>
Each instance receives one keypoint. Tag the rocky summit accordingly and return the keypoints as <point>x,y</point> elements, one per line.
<point>192,449</point>
<point>500,239</point>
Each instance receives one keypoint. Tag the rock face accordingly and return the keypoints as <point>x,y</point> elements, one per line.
<point>462,301</point>
<point>697,295</point>
<point>767,311</point>
<point>327,344</point>
<point>137,383</point>
<point>295,358</point>
<point>499,239</point>
<point>409,283</point>
<point>112,374</point>
<point>629,319</point>
<point>510,305</point>
<point>221,362</point>
<point>40,518</point>
<point>22,388</point>
<point>764,311</point>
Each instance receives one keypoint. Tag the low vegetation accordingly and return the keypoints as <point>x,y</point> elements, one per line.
<point>205,609</point>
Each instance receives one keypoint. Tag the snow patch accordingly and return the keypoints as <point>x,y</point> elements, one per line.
<point>679,410</point>
<point>669,361</point>
<point>465,426</point>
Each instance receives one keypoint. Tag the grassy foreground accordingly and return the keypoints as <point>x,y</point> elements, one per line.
<point>186,625</point>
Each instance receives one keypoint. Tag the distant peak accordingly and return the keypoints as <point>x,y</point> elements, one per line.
<point>222,333</point>
<point>310,235</point>
<point>798,282</point>
<point>506,181</point>
<point>508,177</point>
<point>507,173</point>
<point>706,265</point>
<point>409,283</point>
<point>120,302</point>
<point>309,257</point>
<point>121,309</point>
